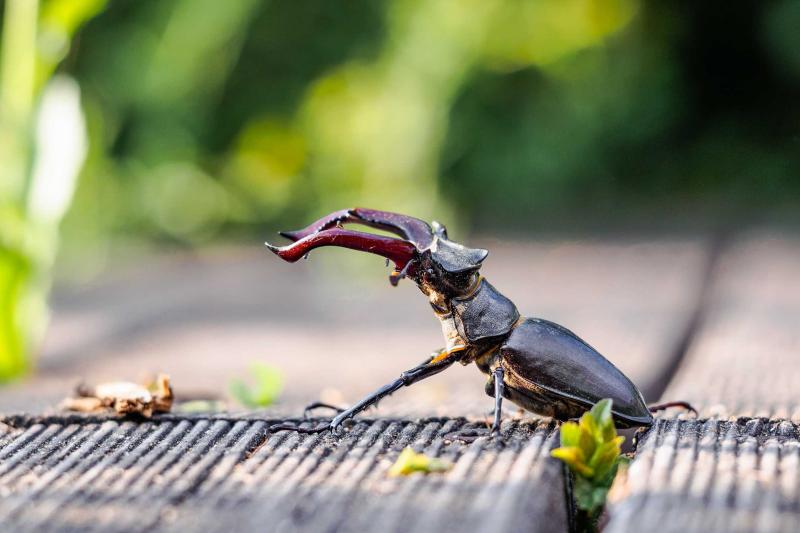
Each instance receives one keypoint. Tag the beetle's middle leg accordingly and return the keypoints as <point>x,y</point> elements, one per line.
<point>662,406</point>
<point>498,399</point>
<point>470,435</point>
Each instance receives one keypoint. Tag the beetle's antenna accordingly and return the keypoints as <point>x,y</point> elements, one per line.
<point>395,276</point>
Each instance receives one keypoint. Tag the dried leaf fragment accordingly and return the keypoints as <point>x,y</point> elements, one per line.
<point>123,397</point>
<point>82,404</point>
<point>410,461</point>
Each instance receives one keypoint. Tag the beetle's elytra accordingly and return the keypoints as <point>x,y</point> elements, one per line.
<point>538,365</point>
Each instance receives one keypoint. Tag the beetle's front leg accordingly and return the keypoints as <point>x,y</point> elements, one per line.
<point>427,369</point>
<point>431,366</point>
<point>317,405</point>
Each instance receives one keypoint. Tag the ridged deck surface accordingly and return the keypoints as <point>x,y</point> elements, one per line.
<point>712,475</point>
<point>74,473</point>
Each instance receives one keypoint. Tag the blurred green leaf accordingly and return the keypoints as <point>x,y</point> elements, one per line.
<point>42,149</point>
<point>199,406</point>
<point>15,272</point>
<point>266,384</point>
<point>589,434</point>
<point>58,22</point>
<point>589,496</point>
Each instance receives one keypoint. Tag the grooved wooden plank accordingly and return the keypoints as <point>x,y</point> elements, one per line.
<point>711,475</point>
<point>210,474</point>
<point>342,486</point>
<point>735,469</point>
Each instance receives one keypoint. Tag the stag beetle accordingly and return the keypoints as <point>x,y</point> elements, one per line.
<point>537,364</point>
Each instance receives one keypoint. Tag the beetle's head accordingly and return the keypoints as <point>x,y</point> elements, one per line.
<point>423,252</point>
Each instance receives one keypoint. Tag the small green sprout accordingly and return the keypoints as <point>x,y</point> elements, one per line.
<point>199,406</point>
<point>591,449</point>
<point>268,385</point>
<point>410,461</point>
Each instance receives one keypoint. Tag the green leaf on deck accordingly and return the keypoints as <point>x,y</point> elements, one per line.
<point>410,461</point>
<point>591,450</point>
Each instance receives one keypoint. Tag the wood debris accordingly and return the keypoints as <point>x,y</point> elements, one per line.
<point>124,398</point>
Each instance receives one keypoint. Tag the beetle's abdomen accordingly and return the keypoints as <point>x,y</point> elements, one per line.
<point>551,371</point>
<point>484,314</point>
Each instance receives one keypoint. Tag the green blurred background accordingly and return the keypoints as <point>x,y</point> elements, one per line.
<point>136,124</point>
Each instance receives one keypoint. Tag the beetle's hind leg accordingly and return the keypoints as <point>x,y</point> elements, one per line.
<point>666,405</point>
<point>472,434</point>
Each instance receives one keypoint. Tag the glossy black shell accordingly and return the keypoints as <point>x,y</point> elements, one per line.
<point>551,371</point>
<point>484,314</point>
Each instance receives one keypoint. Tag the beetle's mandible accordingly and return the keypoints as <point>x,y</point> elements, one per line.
<point>539,365</point>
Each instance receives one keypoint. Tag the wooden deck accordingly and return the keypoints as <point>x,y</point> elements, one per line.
<point>685,318</point>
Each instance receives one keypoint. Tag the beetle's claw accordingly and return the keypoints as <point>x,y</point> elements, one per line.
<point>498,440</point>
<point>467,435</point>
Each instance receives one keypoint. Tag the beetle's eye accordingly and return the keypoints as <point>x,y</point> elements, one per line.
<point>439,229</point>
<point>439,309</point>
<point>429,276</point>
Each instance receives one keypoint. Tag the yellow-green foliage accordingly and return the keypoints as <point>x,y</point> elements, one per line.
<point>410,461</point>
<point>42,148</point>
<point>591,449</point>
